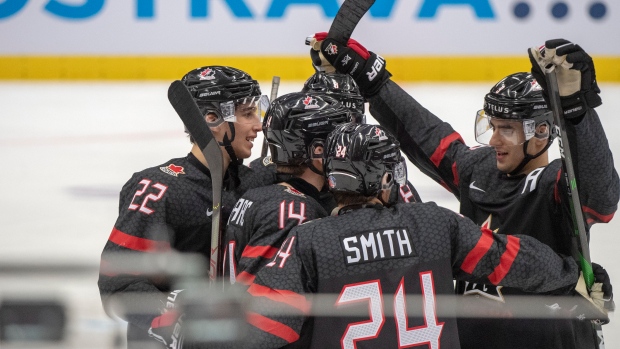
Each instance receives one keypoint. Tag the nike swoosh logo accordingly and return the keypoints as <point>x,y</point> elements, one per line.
<point>472,186</point>
<point>209,213</point>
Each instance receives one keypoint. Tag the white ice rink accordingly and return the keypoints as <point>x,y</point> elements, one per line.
<point>67,148</point>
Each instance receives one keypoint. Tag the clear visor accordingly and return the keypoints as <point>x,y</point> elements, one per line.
<point>509,132</point>
<point>248,110</point>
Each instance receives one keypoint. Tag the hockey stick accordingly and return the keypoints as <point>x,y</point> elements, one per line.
<point>185,106</point>
<point>349,14</point>
<point>275,85</point>
<point>580,246</point>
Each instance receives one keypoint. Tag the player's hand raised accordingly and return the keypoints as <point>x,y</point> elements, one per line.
<point>366,68</point>
<point>575,73</point>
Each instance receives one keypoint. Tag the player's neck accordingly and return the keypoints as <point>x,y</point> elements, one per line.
<point>198,154</point>
<point>317,180</point>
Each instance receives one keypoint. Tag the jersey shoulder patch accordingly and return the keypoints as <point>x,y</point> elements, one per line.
<point>173,170</point>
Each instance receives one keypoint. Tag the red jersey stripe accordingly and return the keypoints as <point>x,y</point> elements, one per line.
<point>245,278</point>
<point>136,243</point>
<point>270,326</point>
<point>599,217</point>
<point>441,150</point>
<point>259,251</point>
<point>556,191</point>
<point>505,262</point>
<point>455,174</point>
<point>291,298</point>
<point>475,255</point>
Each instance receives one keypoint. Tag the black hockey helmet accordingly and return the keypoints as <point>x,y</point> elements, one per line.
<point>358,157</point>
<point>340,86</point>
<point>220,90</point>
<point>516,97</point>
<point>229,93</point>
<point>298,122</point>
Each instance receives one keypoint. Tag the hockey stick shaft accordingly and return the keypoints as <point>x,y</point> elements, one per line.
<point>349,14</point>
<point>581,248</point>
<point>583,252</point>
<point>185,106</point>
<point>275,85</point>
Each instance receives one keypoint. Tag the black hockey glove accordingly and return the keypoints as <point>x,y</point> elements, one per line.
<point>366,68</point>
<point>166,328</point>
<point>575,72</point>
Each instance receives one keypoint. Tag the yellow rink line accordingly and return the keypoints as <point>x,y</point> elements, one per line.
<point>409,68</point>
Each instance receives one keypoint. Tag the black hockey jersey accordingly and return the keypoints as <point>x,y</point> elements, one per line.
<point>536,204</point>
<point>162,208</point>
<point>260,221</point>
<point>368,260</point>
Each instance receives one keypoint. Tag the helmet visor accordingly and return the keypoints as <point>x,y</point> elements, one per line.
<point>247,110</point>
<point>505,131</point>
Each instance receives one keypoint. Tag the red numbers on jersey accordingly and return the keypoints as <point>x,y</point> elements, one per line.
<point>370,291</point>
<point>150,197</point>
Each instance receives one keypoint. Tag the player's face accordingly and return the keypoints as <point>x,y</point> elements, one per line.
<point>245,134</point>
<point>507,139</point>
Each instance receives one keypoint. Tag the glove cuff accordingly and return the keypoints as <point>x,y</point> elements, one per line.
<point>578,103</point>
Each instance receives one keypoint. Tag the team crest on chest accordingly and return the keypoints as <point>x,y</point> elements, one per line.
<point>173,170</point>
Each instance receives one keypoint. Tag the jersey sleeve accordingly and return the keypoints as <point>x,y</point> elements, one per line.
<point>139,230</point>
<point>597,179</point>
<point>479,255</point>
<point>281,287</point>
<point>429,143</point>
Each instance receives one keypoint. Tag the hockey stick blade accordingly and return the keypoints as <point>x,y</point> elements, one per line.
<point>185,106</point>
<point>347,18</point>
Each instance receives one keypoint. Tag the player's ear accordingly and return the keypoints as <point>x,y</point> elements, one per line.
<point>211,118</point>
<point>318,151</point>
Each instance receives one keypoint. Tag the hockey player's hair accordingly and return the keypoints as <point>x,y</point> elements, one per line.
<point>293,170</point>
<point>348,199</point>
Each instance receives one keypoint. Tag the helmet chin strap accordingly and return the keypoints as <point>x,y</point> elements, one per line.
<point>392,198</point>
<point>227,144</point>
<point>529,157</point>
<point>313,168</point>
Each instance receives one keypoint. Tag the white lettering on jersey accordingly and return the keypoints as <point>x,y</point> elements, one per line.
<point>532,179</point>
<point>377,245</point>
<point>238,212</point>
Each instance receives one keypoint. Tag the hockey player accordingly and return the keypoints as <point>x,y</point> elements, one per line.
<point>345,89</point>
<point>295,126</point>
<point>374,253</point>
<point>509,186</point>
<point>169,206</point>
